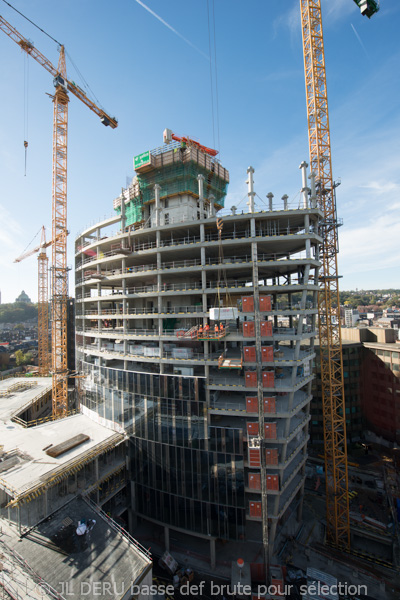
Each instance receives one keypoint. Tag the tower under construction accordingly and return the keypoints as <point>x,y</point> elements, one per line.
<point>195,331</point>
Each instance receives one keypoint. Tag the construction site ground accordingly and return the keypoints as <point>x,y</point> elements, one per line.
<point>371,562</point>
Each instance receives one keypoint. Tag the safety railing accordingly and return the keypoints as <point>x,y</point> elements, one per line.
<point>141,549</point>
<point>42,583</point>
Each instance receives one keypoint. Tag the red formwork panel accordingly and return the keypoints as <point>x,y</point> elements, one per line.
<point>270,431</point>
<point>252,404</point>
<point>271,456</point>
<point>250,379</point>
<point>265,303</point>
<point>248,329</point>
<point>272,482</point>
<point>269,405</point>
<point>252,428</point>
<point>247,303</point>
<point>268,379</point>
<point>249,353</point>
<point>254,457</point>
<point>255,481</point>
<point>255,509</point>
<point>267,353</point>
<point>266,328</point>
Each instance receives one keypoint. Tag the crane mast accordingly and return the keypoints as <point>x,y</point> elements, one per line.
<point>59,270</point>
<point>43,308</point>
<point>43,301</point>
<point>334,415</point>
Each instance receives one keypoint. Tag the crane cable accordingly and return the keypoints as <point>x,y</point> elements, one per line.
<point>26,106</point>
<point>34,24</point>
<point>211,77</point>
<point>216,79</point>
<point>212,48</point>
<point>221,269</point>
<point>86,85</point>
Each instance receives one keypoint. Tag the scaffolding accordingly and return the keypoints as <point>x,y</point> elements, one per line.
<point>176,171</point>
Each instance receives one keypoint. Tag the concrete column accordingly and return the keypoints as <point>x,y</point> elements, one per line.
<point>307,223</point>
<point>251,193</point>
<point>300,505</point>
<point>45,502</point>
<point>212,554</point>
<point>96,470</point>
<point>123,217</point>
<point>166,538</point>
<point>200,179</point>
<point>285,201</point>
<point>270,198</point>
<point>272,535</point>
<point>304,190</point>
<point>211,207</point>
<point>157,189</point>
<point>203,256</point>
<point>132,521</point>
<point>252,227</point>
<point>203,279</point>
<point>19,520</point>
<point>99,321</point>
<point>313,198</point>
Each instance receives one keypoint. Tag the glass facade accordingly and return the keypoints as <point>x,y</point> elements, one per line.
<point>187,474</point>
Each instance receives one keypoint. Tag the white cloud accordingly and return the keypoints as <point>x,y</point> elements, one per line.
<point>382,187</point>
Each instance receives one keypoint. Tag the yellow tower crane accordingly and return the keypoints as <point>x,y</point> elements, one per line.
<point>43,301</point>
<point>59,272</point>
<point>333,401</point>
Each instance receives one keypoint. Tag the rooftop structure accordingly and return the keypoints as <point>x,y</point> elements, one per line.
<point>195,334</point>
<point>56,480</point>
<point>24,397</point>
<point>103,563</point>
<point>175,169</point>
<point>34,470</point>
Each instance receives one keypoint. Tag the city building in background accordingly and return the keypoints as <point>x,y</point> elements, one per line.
<point>352,360</point>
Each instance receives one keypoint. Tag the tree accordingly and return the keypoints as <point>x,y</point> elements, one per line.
<point>21,358</point>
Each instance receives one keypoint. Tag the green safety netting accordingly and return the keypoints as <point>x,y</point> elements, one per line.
<point>174,179</point>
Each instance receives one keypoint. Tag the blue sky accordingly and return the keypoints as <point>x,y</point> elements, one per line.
<point>151,77</point>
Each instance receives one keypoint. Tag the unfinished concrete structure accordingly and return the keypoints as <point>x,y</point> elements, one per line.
<point>217,419</point>
<point>56,475</point>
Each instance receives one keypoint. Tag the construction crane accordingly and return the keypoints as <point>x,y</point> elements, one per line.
<point>334,414</point>
<point>169,136</point>
<point>59,270</point>
<point>43,302</point>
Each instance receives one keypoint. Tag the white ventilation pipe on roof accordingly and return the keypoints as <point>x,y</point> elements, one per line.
<point>304,190</point>
<point>251,193</point>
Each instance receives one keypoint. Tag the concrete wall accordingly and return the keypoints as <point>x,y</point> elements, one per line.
<point>370,334</point>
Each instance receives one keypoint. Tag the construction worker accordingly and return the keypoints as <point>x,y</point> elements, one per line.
<point>221,327</point>
<point>200,330</point>
<point>216,329</point>
<point>206,329</point>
